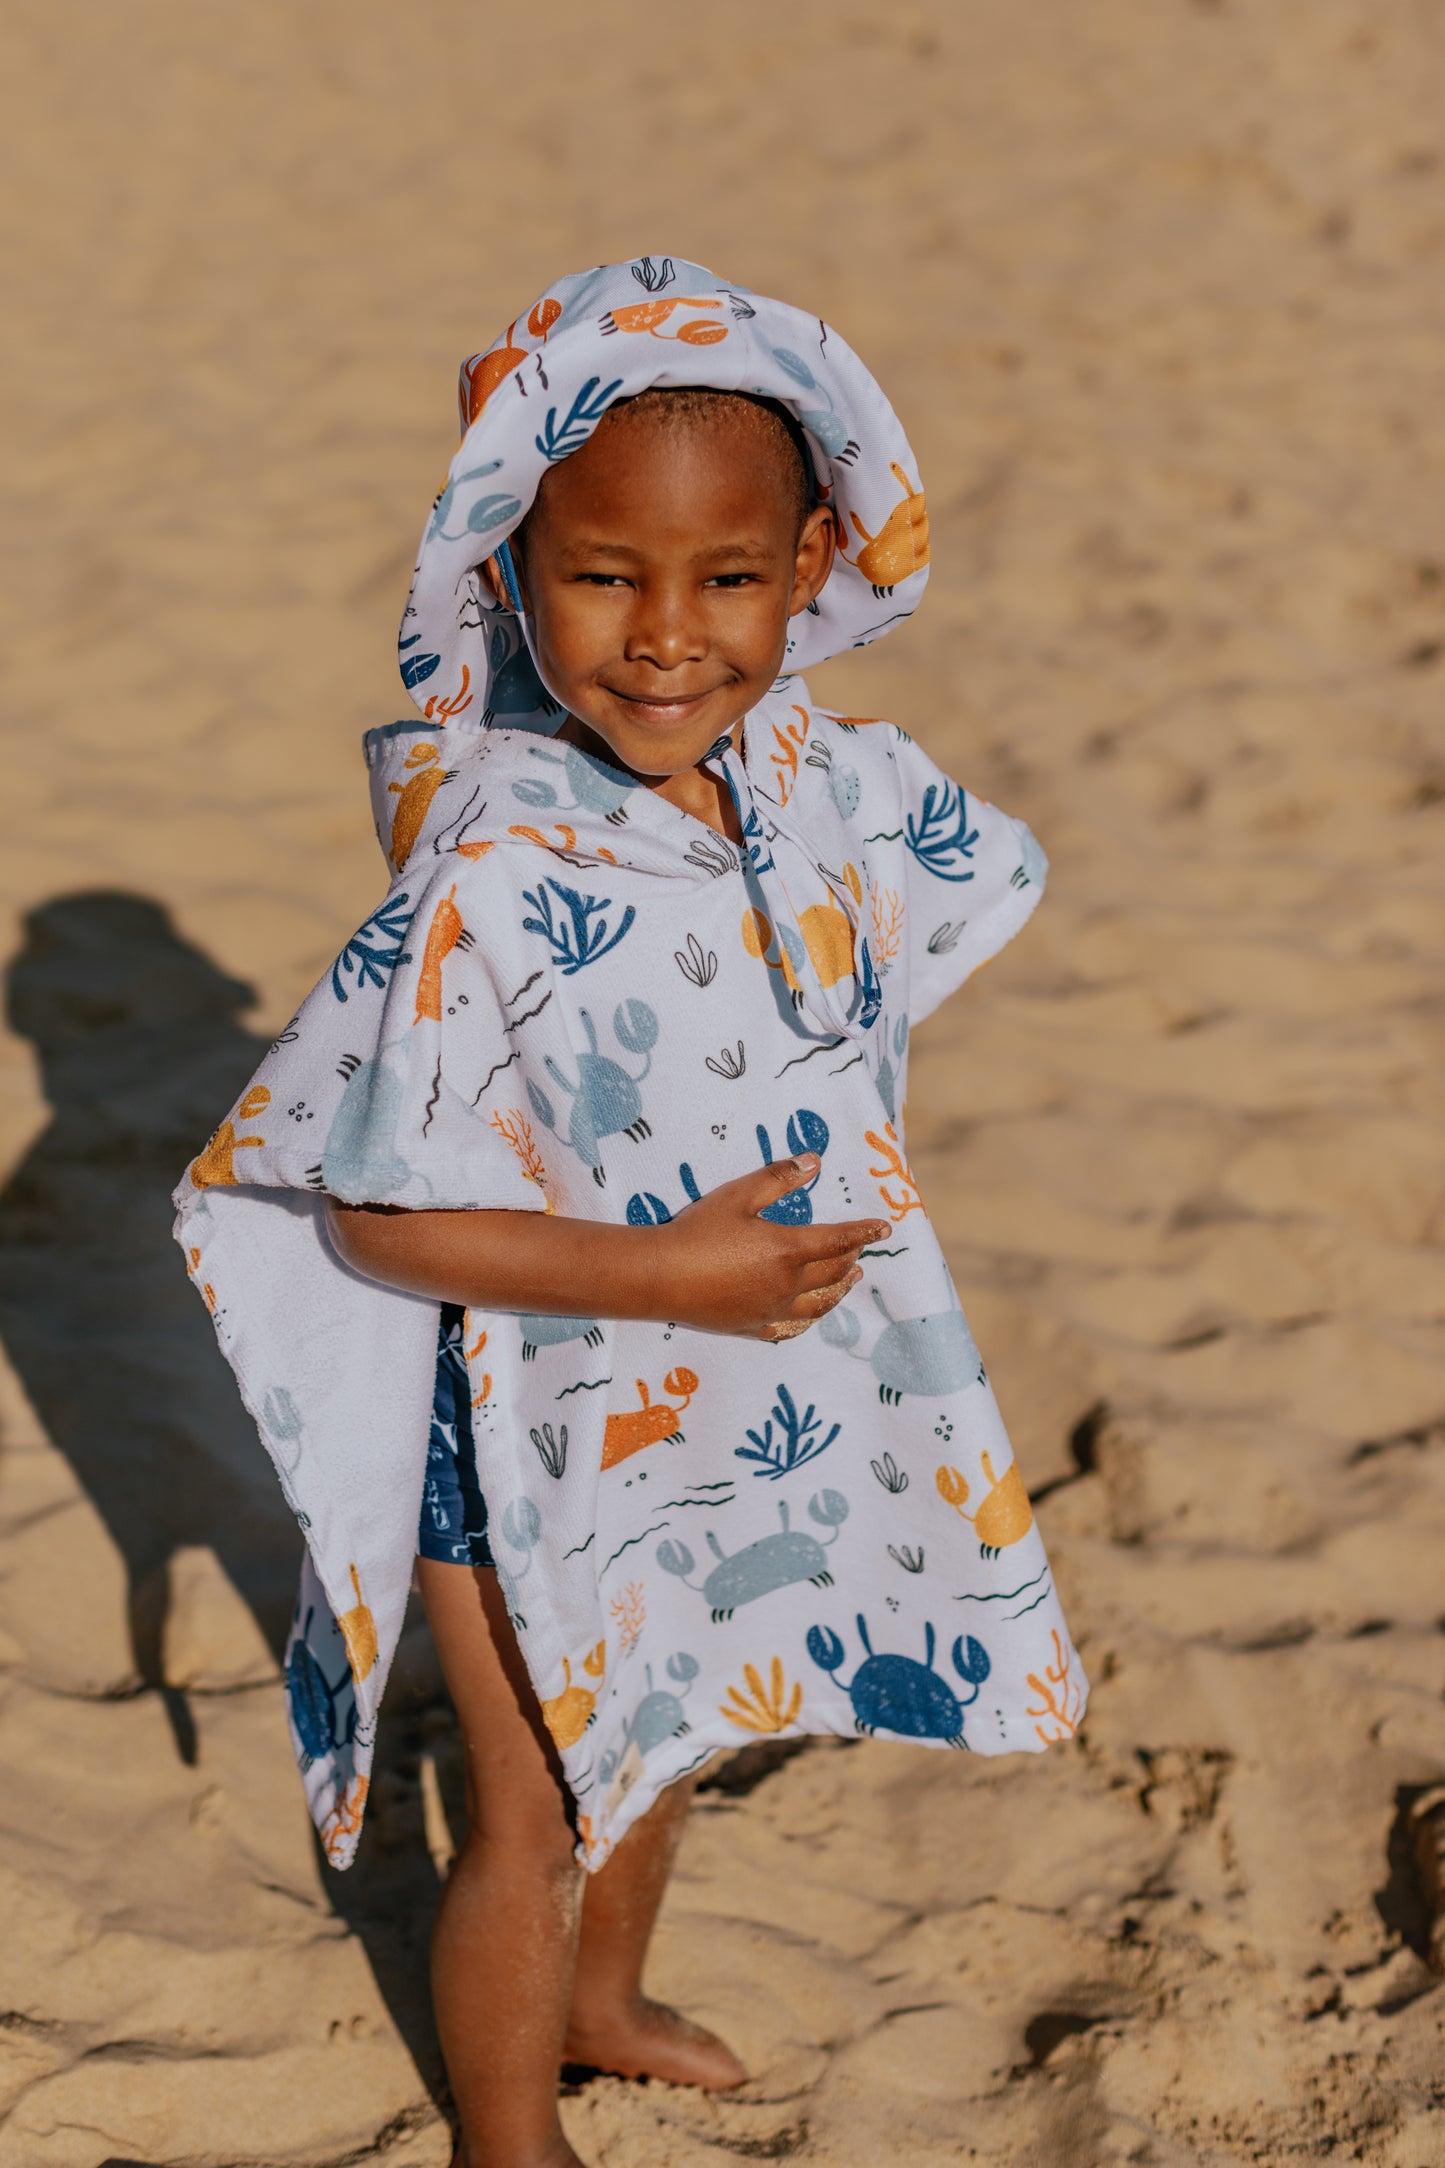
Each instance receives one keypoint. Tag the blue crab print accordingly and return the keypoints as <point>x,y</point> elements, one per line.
<point>658,1716</point>
<point>323,1714</point>
<point>773,1562</point>
<point>897,1694</point>
<point>925,1355</point>
<point>605,1099</point>
<point>807,1132</point>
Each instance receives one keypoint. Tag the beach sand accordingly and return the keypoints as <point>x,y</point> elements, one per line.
<point>1157,289</point>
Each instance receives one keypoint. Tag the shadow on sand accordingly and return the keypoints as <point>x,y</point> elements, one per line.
<point>141,1053</point>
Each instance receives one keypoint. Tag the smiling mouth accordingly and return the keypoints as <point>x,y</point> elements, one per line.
<point>663,703</point>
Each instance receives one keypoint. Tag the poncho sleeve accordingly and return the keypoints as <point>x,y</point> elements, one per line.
<point>385,1087</point>
<point>974,875</point>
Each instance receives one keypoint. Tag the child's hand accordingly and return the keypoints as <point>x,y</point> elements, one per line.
<point>727,1270</point>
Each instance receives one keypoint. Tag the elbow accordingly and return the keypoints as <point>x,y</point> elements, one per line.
<point>357,1235</point>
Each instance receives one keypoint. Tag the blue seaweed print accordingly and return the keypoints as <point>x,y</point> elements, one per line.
<point>652,277</point>
<point>939,836</point>
<point>415,669</point>
<point>797,1439</point>
<point>586,410</point>
<point>576,941</point>
<point>367,952</point>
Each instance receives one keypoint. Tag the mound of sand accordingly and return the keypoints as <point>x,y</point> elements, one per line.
<point>1156,287</point>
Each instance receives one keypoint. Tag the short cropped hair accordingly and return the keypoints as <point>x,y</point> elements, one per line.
<point>678,405</point>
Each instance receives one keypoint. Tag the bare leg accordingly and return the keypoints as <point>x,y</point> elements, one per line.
<point>613,2025</point>
<point>505,1941</point>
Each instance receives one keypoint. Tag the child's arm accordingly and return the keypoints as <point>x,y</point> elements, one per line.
<point>717,1266</point>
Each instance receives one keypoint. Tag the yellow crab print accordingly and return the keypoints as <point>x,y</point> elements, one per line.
<point>414,800</point>
<point>901,543</point>
<point>1004,1514</point>
<point>568,1714</point>
<point>215,1168</point>
<point>358,1631</point>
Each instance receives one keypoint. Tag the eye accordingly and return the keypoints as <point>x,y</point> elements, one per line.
<point>599,579</point>
<point>732,579</point>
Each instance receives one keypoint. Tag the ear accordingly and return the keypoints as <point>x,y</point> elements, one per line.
<point>817,545</point>
<point>490,573</point>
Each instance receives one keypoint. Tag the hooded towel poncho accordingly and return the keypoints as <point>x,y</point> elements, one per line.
<point>576,997</point>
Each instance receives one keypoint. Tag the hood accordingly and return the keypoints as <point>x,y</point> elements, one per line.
<point>535,396</point>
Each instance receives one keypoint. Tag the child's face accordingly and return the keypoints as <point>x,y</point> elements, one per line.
<point>661,565</point>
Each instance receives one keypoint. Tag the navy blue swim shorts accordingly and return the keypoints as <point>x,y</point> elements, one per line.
<point>453,1511</point>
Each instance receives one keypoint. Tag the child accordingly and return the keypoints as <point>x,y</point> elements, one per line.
<point>522,1226</point>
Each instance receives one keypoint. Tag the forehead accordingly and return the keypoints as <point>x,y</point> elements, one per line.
<point>685,466</point>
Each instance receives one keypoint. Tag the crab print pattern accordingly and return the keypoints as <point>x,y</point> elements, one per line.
<point>572,997</point>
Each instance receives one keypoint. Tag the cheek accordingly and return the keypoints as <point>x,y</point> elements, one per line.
<point>576,630</point>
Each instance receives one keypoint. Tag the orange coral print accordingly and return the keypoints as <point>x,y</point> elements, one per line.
<point>763,1708</point>
<point>215,1168</point>
<point>474,1355</point>
<point>653,317</point>
<point>443,934</point>
<point>414,801</point>
<point>631,1430</point>
<point>896,1168</point>
<point>439,710</point>
<point>629,1609</point>
<point>1005,1514</point>
<point>344,1820</point>
<point>1061,1695</point>
<point>568,842</point>
<point>514,1129</point>
<point>901,543</point>
<point>358,1631</point>
<point>888,908</point>
<point>789,745</point>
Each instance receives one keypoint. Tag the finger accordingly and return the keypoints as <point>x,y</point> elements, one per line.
<point>805,1308</point>
<point>836,1238</point>
<point>842,1272</point>
<point>755,1192</point>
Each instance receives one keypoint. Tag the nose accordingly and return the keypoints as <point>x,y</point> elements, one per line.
<point>666,627</point>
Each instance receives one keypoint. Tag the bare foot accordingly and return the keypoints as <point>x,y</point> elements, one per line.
<point>646,2039</point>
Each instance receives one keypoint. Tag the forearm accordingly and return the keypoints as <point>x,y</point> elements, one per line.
<point>521,1261</point>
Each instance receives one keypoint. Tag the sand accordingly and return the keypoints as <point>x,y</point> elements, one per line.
<point>1157,288</point>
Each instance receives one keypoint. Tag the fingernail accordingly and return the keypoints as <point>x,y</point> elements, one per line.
<point>806,1163</point>
<point>880,1229</point>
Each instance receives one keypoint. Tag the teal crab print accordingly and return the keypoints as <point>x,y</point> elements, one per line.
<point>595,788</point>
<point>925,1355</point>
<point>772,1562</point>
<point>605,1099</point>
<point>658,1716</point>
<point>541,1331</point>
<point>898,1694</point>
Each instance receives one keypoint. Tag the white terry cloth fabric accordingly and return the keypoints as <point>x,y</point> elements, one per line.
<point>575,997</point>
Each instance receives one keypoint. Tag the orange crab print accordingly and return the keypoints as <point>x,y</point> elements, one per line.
<point>414,801</point>
<point>633,1429</point>
<point>568,1714</point>
<point>827,933</point>
<point>215,1168</point>
<point>444,933</point>
<point>901,543</point>
<point>652,317</point>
